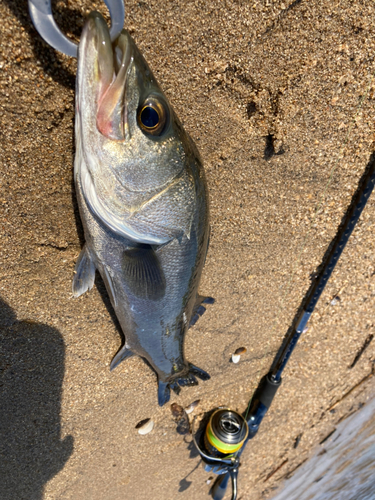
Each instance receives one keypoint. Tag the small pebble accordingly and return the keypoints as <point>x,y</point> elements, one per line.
<point>181,419</point>
<point>335,301</point>
<point>177,410</point>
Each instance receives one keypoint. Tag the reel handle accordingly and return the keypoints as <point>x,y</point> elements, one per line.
<point>234,474</point>
<point>220,486</point>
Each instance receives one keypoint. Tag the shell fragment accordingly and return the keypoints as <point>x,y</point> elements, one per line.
<point>192,406</point>
<point>237,354</point>
<point>146,426</point>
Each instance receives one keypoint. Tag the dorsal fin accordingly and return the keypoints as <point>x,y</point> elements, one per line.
<point>199,309</point>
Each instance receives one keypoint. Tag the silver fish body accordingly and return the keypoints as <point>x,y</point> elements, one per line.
<point>143,202</point>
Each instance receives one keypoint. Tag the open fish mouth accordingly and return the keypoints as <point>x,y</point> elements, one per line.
<point>107,67</point>
<point>112,117</point>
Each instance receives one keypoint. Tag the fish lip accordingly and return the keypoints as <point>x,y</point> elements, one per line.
<point>112,105</point>
<point>92,66</point>
<point>124,56</point>
<point>112,59</point>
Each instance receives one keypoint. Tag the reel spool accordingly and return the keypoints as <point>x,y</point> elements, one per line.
<point>225,433</point>
<point>220,446</point>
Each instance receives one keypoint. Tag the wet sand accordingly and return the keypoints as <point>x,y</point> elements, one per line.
<point>271,92</point>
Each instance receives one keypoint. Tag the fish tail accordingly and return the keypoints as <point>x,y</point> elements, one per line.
<point>194,370</point>
<point>189,379</point>
<point>164,389</point>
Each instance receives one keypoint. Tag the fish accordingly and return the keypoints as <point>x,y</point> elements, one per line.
<point>143,201</point>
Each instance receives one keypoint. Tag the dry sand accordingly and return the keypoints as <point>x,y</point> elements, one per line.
<point>269,90</point>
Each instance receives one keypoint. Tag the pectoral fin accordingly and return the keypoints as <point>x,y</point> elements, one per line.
<point>84,273</point>
<point>143,273</point>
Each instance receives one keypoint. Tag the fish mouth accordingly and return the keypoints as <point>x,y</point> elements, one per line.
<point>112,63</point>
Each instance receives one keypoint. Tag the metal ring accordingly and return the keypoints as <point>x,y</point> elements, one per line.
<point>42,18</point>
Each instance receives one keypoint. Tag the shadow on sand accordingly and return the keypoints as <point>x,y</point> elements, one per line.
<point>31,375</point>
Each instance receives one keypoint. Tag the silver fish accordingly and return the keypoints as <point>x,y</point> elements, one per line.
<point>143,201</point>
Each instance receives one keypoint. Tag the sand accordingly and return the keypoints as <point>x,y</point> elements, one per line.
<point>280,100</point>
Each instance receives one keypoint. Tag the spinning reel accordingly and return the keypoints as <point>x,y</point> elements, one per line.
<point>224,435</point>
<point>221,442</point>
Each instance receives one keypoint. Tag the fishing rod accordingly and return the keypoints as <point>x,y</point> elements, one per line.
<point>223,439</point>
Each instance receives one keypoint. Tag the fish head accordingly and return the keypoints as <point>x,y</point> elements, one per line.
<point>126,122</point>
<point>130,146</point>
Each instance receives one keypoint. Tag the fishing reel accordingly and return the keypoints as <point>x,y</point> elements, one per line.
<point>222,438</point>
<point>219,444</point>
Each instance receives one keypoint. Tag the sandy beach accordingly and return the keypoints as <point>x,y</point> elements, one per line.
<point>279,97</point>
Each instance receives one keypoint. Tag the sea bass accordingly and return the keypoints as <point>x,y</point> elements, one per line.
<point>143,202</point>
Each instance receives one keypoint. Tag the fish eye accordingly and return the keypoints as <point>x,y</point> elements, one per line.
<point>152,116</point>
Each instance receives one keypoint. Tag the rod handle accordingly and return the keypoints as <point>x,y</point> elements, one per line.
<point>269,390</point>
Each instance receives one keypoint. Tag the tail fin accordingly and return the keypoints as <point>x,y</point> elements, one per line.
<point>199,372</point>
<point>189,379</point>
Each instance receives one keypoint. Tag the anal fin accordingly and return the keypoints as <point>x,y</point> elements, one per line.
<point>84,273</point>
<point>124,353</point>
<point>164,393</point>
